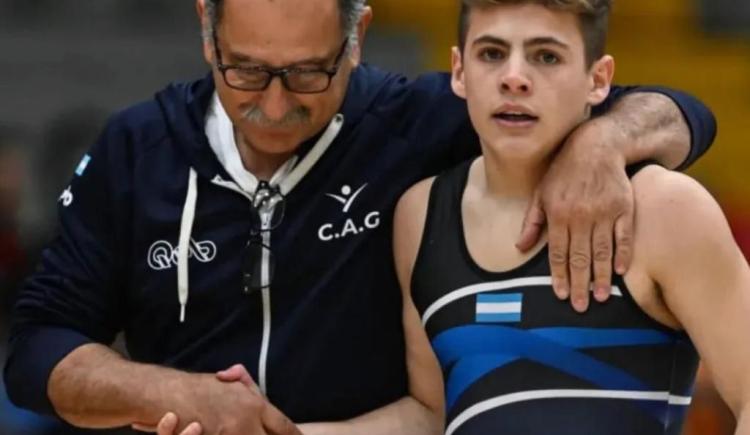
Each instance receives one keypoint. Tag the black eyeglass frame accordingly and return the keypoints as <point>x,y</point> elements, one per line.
<point>282,73</point>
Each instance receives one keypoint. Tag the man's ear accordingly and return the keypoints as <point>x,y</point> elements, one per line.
<point>364,23</point>
<point>208,48</point>
<point>602,73</point>
<point>457,73</point>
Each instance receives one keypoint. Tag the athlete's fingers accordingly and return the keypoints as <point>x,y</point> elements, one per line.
<point>192,429</point>
<point>166,426</point>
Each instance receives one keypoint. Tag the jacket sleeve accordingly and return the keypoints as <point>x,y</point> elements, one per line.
<point>74,297</point>
<point>433,115</point>
<point>698,117</point>
<point>430,117</point>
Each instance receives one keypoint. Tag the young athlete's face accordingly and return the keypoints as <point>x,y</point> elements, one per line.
<point>523,73</point>
<point>302,34</point>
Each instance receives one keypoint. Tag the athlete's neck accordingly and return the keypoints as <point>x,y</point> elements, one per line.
<point>495,200</point>
<point>511,179</point>
<point>262,165</point>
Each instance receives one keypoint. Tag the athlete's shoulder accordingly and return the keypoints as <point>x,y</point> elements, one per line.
<point>677,217</point>
<point>663,194</point>
<point>412,207</point>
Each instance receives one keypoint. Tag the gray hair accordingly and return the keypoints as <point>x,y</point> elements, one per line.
<point>350,10</point>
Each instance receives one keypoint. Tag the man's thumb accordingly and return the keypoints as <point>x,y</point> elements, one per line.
<point>533,224</point>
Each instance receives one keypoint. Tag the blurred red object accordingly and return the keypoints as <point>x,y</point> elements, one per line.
<point>739,220</point>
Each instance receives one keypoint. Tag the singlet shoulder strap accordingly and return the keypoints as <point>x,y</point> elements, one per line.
<point>442,237</point>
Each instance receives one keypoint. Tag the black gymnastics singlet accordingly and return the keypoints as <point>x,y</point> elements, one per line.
<point>518,361</point>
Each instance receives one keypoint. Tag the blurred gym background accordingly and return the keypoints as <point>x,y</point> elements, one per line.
<point>68,64</point>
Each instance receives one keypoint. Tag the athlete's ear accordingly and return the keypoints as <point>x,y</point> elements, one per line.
<point>457,73</point>
<point>602,73</point>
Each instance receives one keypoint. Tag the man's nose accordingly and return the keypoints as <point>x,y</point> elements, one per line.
<point>276,100</point>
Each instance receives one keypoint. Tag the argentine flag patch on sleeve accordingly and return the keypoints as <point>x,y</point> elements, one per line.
<point>82,166</point>
<point>502,308</point>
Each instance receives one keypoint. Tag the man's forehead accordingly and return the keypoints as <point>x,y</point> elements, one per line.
<point>281,32</point>
<point>291,10</point>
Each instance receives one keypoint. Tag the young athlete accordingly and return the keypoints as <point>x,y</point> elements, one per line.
<point>514,359</point>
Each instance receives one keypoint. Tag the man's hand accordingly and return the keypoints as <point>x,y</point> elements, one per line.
<point>274,421</point>
<point>218,408</point>
<point>238,373</point>
<point>584,198</point>
<point>266,419</point>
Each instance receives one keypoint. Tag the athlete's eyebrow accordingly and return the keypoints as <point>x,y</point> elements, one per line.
<point>540,40</point>
<point>545,40</point>
<point>489,39</point>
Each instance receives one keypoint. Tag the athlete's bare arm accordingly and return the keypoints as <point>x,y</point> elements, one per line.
<point>684,244</point>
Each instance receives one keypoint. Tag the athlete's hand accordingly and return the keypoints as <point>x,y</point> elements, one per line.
<point>168,426</point>
<point>585,198</point>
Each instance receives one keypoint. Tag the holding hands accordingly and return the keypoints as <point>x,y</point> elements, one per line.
<point>228,403</point>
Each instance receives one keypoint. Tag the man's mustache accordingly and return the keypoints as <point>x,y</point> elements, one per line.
<point>297,116</point>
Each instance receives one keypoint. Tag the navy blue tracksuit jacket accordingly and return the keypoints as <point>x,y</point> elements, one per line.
<point>334,345</point>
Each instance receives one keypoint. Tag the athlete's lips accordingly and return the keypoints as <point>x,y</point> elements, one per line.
<point>515,116</point>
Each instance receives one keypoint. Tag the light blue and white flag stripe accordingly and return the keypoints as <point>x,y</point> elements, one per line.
<point>493,286</point>
<point>503,308</point>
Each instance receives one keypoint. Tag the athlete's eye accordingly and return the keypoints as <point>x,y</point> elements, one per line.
<point>491,54</point>
<point>548,58</point>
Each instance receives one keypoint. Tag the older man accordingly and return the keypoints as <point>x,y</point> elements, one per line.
<point>246,218</point>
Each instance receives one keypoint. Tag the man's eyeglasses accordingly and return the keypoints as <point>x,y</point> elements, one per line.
<point>258,261</point>
<point>297,80</point>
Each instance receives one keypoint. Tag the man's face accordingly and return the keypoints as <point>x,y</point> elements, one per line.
<point>524,76</point>
<point>279,34</point>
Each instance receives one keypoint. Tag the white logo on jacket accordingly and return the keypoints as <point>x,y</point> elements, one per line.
<point>345,199</point>
<point>162,255</point>
<point>66,198</point>
<point>328,232</point>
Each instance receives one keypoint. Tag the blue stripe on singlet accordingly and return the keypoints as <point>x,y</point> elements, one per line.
<point>476,350</point>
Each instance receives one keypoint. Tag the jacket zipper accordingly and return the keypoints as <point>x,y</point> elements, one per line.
<point>265,222</point>
<point>265,225</point>
<point>285,186</point>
